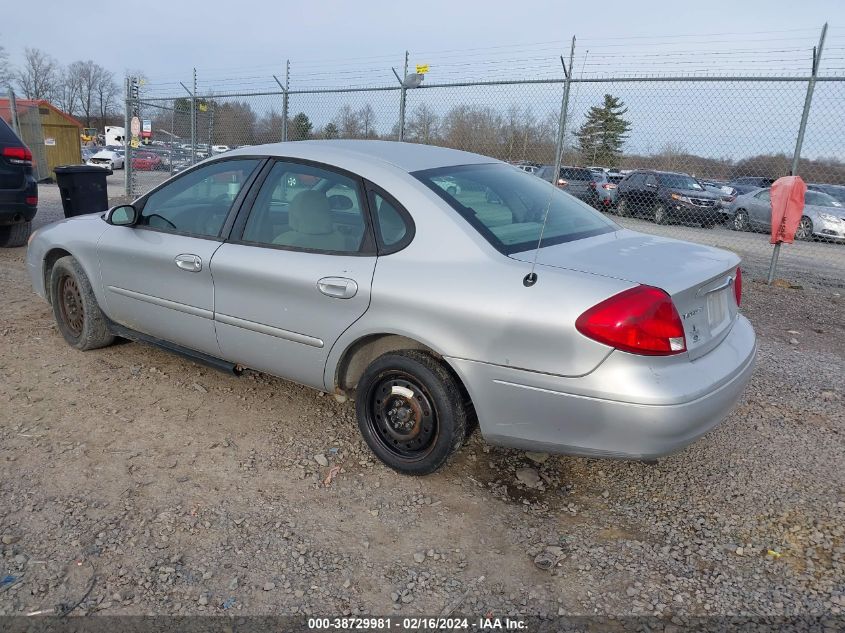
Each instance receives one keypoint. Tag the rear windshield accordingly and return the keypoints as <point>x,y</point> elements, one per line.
<point>7,136</point>
<point>680,181</point>
<point>507,206</point>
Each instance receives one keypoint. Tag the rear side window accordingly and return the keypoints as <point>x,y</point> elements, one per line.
<point>507,206</point>
<point>7,135</point>
<point>569,173</point>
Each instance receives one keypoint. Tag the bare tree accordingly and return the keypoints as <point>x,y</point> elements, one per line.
<point>423,125</point>
<point>5,70</point>
<point>38,77</point>
<point>367,117</point>
<point>349,123</point>
<point>66,95</point>
<point>106,91</point>
<point>89,75</point>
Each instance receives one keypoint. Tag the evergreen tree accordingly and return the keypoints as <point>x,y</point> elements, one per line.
<point>331,131</point>
<point>300,128</point>
<point>601,137</point>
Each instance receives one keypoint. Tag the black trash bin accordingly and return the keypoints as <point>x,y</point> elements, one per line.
<point>83,189</point>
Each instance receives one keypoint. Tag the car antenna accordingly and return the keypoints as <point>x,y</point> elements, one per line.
<point>531,278</point>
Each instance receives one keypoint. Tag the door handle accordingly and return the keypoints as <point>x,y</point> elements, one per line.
<point>189,262</point>
<point>338,287</point>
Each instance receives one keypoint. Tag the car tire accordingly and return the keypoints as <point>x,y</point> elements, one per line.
<point>740,220</point>
<point>622,209</point>
<point>661,216</point>
<point>411,411</point>
<point>13,235</point>
<point>805,229</point>
<point>75,308</point>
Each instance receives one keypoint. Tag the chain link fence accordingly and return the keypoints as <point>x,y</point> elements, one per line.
<point>688,157</point>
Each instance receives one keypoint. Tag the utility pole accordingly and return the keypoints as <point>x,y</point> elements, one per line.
<point>402,96</point>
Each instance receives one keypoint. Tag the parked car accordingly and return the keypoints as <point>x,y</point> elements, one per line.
<point>823,218</point>
<point>727,195</point>
<point>664,196</point>
<point>593,187</point>
<point>837,191</point>
<point>527,166</point>
<point>147,161</point>
<point>426,306</point>
<point>109,159</point>
<point>18,189</point>
<point>219,149</point>
<point>746,184</point>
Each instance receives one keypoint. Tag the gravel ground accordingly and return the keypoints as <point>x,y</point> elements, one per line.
<point>179,490</point>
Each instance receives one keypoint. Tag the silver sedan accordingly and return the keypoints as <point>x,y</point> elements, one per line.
<point>823,217</point>
<point>349,267</point>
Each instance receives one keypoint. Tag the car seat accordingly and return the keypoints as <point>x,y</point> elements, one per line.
<point>311,224</point>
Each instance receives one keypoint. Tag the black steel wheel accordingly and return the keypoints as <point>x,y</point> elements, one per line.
<point>411,411</point>
<point>75,308</point>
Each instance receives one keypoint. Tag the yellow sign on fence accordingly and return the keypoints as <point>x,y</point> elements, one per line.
<point>422,69</point>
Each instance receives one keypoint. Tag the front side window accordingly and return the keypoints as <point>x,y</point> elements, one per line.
<point>819,199</point>
<point>507,206</point>
<point>764,196</point>
<point>198,202</point>
<point>307,207</point>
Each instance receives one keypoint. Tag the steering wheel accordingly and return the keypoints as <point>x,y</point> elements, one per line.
<point>160,217</point>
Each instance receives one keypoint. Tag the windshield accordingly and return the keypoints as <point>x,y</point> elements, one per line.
<point>507,206</point>
<point>680,181</point>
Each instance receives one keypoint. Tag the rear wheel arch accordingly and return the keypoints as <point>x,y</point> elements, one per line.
<point>365,350</point>
<point>50,259</point>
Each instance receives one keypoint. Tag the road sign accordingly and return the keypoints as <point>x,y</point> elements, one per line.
<point>146,128</point>
<point>422,69</point>
<point>134,143</point>
<point>135,126</point>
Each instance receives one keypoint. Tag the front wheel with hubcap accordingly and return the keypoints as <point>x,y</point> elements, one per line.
<point>660,214</point>
<point>622,208</point>
<point>805,229</point>
<point>411,411</point>
<point>75,308</point>
<point>740,221</point>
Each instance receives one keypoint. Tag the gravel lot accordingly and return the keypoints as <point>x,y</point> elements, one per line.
<point>179,490</point>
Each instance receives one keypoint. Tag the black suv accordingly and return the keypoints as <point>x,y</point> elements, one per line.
<point>663,196</point>
<point>18,189</point>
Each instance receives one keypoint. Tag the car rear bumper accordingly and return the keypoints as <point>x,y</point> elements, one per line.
<point>630,406</point>
<point>13,206</point>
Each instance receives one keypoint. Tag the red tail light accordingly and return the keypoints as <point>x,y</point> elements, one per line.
<point>642,320</point>
<point>738,287</point>
<point>608,185</point>
<point>18,154</point>
<point>592,184</point>
<point>31,200</point>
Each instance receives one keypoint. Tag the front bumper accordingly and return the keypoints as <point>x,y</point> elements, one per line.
<point>829,230</point>
<point>630,406</point>
<point>691,212</point>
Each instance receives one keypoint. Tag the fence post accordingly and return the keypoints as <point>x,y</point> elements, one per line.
<point>127,156</point>
<point>13,110</point>
<point>194,121</point>
<point>564,107</point>
<point>802,128</point>
<point>286,102</point>
<point>402,95</point>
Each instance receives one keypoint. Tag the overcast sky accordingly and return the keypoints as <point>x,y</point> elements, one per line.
<point>166,39</point>
<point>239,46</point>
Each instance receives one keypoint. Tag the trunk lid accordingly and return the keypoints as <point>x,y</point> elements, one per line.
<point>698,278</point>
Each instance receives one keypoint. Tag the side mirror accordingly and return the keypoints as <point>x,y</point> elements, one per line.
<point>122,215</point>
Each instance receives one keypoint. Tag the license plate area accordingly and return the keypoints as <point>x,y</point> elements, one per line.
<point>717,308</point>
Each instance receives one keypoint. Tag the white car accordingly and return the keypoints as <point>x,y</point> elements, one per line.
<point>219,149</point>
<point>108,159</point>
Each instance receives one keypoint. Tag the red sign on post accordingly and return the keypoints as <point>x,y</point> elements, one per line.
<point>787,207</point>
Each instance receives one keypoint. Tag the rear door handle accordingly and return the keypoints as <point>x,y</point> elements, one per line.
<point>338,287</point>
<point>187,261</point>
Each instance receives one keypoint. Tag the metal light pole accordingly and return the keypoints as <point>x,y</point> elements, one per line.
<point>402,95</point>
<point>802,128</point>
